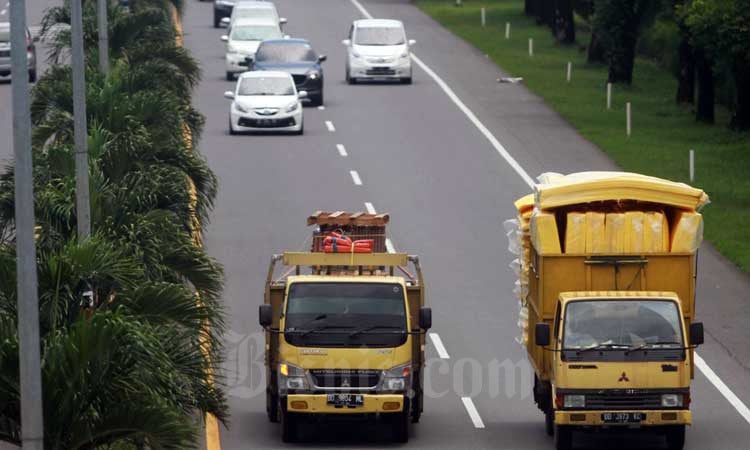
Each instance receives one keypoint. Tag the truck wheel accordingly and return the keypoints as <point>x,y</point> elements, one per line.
<point>675,437</point>
<point>272,407</point>
<point>563,438</point>
<point>549,422</point>
<point>288,427</point>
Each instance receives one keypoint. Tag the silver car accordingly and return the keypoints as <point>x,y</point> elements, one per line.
<point>5,63</point>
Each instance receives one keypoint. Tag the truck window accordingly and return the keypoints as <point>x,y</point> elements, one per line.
<point>346,315</point>
<point>621,325</point>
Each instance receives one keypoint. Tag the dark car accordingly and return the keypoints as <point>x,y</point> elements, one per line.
<point>297,57</point>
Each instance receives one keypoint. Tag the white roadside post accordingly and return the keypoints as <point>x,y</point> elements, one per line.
<point>531,47</point>
<point>507,30</point>
<point>609,95</point>
<point>458,3</point>
<point>628,118</point>
<point>484,17</point>
<point>692,165</point>
<point>570,70</point>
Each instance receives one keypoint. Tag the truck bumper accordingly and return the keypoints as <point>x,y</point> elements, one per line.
<point>652,418</point>
<point>318,404</point>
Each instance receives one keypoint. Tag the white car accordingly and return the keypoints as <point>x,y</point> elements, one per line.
<point>265,101</point>
<point>253,10</point>
<point>378,49</point>
<point>243,40</point>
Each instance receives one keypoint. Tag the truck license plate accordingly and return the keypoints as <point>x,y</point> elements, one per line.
<point>345,400</point>
<point>622,417</point>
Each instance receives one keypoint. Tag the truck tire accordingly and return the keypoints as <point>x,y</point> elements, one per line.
<point>272,406</point>
<point>289,427</point>
<point>675,437</point>
<point>549,422</point>
<point>400,426</point>
<point>563,438</point>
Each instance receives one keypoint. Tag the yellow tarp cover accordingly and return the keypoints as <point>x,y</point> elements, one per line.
<point>596,238</point>
<point>655,233</point>
<point>575,233</point>
<point>687,232</point>
<point>634,222</point>
<point>585,187</point>
<point>544,233</point>
<point>615,232</point>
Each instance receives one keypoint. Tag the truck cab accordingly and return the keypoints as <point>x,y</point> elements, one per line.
<point>345,341</point>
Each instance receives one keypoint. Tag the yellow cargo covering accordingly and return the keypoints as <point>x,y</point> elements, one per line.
<point>575,233</point>
<point>687,232</point>
<point>544,233</point>
<point>596,238</point>
<point>634,222</point>
<point>615,232</point>
<point>655,233</point>
<point>586,187</point>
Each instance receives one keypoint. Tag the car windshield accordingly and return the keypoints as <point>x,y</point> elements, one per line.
<point>266,86</point>
<point>285,52</point>
<point>255,32</point>
<point>622,324</point>
<point>346,315</point>
<point>379,36</point>
<point>253,13</point>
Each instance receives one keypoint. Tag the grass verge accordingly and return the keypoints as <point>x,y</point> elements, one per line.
<point>662,133</point>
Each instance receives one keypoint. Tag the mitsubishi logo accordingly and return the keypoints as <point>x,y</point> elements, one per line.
<point>346,383</point>
<point>623,378</point>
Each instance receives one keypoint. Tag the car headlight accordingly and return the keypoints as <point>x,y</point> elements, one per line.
<point>671,400</point>
<point>240,108</point>
<point>292,377</point>
<point>292,107</point>
<point>574,401</point>
<point>396,378</point>
<point>405,55</point>
<point>313,75</point>
<point>355,54</point>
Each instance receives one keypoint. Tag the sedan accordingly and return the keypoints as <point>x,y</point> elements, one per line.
<point>265,101</point>
<point>5,61</point>
<point>297,57</point>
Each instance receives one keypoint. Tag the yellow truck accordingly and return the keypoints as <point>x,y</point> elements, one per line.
<point>345,332</point>
<point>607,268</point>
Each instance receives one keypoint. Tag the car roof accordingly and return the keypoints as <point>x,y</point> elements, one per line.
<point>286,41</point>
<point>250,21</point>
<point>378,23</point>
<point>255,5</point>
<point>264,74</point>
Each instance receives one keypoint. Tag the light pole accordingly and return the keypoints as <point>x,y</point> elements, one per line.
<point>101,21</point>
<point>32,422</point>
<point>80,134</point>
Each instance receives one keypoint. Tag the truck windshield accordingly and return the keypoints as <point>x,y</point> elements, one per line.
<point>345,315</point>
<point>626,325</point>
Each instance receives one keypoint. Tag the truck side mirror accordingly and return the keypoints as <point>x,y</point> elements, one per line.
<point>265,315</point>
<point>696,333</point>
<point>542,335</point>
<point>425,318</point>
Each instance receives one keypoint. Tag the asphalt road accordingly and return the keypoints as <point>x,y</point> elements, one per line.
<point>448,190</point>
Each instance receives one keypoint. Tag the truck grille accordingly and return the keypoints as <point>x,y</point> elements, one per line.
<point>623,401</point>
<point>342,378</point>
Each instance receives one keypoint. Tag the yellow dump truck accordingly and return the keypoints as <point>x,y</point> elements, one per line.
<point>607,269</point>
<point>345,331</point>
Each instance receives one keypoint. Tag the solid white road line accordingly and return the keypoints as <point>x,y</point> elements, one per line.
<point>341,149</point>
<point>723,388</point>
<point>330,126</point>
<point>741,408</point>
<point>438,343</point>
<point>473,413</point>
<point>355,177</point>
<point>389,246</point>
<point>370,209</point>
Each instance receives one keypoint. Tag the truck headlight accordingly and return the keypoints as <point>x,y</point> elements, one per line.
<point>671,400</point>
<point>396,378</point>
<point>574,401</point>
<point>292,377</point>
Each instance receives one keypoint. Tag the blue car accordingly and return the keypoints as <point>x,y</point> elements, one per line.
<point>296,57</point>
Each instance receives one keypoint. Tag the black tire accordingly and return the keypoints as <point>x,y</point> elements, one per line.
<point>217,21</point>
<point>272,405</point>
<point>229,76</point>
<point>563,438</point>
<point>316,100</point>
<point>406,80</point>
<point>400,427</point>
<point>289,427</point>
<point>231,131</point>
<point>32,76</point>
<point>349,79</point>
<point>675,437</point>
<point>301,130</point>
<point>549,422</point>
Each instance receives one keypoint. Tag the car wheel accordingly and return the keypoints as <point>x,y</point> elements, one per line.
<point>349,78</point>
<point>32,76</point>
<point>317,100</point>
<point>231,128</point>
<point>301,130</point>
<point>217,21</point>
<point>229,76</point>
<point>406,80</point>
